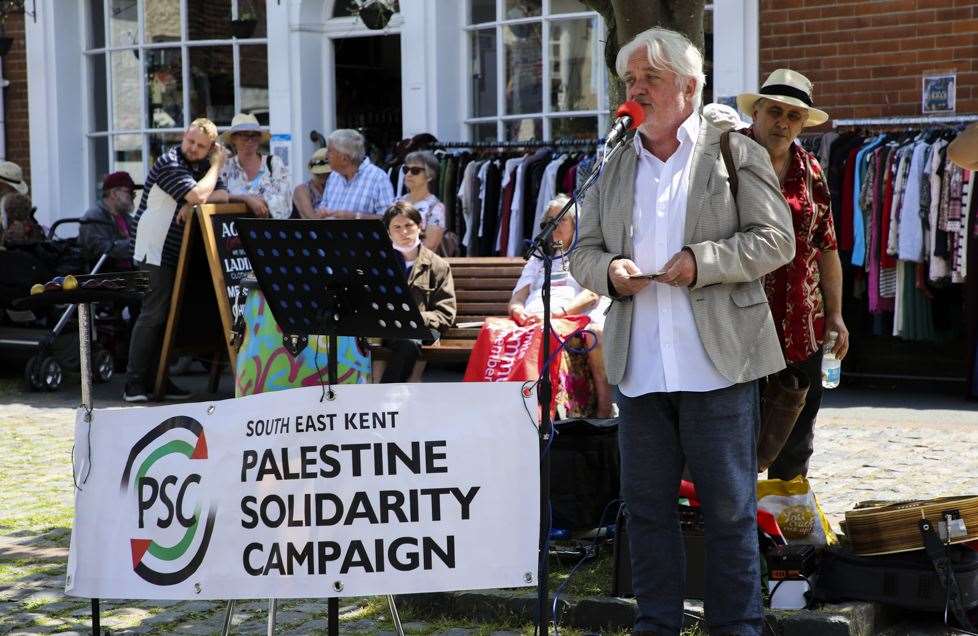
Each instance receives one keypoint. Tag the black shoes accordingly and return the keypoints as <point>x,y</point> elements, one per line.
<point>135,392</point>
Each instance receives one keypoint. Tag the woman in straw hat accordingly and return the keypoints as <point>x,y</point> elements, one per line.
<point>806,294</point>
<point>259,181</point>
<point>307,195</point>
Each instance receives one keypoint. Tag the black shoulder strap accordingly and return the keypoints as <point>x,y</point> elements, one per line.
<point>945,573</point>
<point>268,162</point>
<point>728,161</point>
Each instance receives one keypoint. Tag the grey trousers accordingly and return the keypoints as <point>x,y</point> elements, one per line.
<point>715,434</point>
<point>147,333</point>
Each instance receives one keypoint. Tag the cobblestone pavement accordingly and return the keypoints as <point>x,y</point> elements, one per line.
<point>869,445</point>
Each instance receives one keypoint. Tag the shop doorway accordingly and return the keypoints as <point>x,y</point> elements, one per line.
<point>368,89</point>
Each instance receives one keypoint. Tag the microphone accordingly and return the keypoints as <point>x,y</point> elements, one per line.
<point>629,116</point>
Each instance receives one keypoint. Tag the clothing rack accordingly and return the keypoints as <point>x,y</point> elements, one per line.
<point>905,121</point>
<point>556,143</point>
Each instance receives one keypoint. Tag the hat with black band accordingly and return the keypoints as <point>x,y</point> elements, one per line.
<point>13,176</point>
<point>788,87</point>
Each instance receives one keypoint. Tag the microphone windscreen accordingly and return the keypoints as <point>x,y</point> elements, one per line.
<point>634,110</point>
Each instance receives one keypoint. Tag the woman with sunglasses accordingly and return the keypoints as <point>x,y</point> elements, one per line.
<point>429,279</point>
<point>567,298</point>
<point>307,195</point>
<point>420,169</point>
<point>259,181</point>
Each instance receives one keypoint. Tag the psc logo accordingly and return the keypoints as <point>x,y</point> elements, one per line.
<point>166,489</point>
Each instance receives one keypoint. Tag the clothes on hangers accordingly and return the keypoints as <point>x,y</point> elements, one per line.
<point>903,213</point>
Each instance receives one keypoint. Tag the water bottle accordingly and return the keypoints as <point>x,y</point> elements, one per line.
<point>831,366</point>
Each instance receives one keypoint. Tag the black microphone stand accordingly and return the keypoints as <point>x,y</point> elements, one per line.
<point>542,246</point>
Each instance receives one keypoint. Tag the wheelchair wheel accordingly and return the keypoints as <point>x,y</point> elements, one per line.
<point>102,365</point>
<point>50,374</point>
<point>32,377</point>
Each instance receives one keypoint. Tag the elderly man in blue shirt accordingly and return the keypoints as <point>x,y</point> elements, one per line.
<point>356,189</point>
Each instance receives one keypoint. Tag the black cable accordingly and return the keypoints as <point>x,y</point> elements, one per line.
<point>319,374</point>
<point>588,554</point>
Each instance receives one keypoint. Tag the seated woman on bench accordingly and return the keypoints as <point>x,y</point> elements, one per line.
<point>567,298</point>
<point>430,281</point>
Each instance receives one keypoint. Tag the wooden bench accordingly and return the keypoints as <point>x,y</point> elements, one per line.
<point>483,287</point>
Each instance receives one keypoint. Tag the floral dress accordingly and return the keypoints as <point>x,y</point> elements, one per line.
<point>274,187</point>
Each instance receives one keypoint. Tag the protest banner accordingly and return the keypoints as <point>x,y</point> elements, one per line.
<point>388,489</point>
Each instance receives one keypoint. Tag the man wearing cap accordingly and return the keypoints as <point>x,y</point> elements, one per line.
<point>356,189</point>
<point>184,176</point>
<point>307,195</point>
<point>686,343</point>
<point>106,227</point>
<point>806,294</point>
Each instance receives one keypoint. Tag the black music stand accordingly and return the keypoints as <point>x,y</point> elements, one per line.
<point>332,278</point>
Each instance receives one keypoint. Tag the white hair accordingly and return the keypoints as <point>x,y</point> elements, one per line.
<point>559,202</point>
<point>668,51</point>
<point>348,142</point>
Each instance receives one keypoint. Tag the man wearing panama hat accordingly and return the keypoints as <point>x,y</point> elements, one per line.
<point>806,294</point>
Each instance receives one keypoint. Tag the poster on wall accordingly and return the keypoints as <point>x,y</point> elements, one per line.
<point>938,94</point>
<point>279,145</point>
<point>388,489</point>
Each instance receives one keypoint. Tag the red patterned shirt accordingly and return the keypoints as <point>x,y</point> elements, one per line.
<point>794,290</point>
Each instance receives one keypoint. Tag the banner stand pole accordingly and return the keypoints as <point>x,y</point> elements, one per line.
<point>228,613</point>
<point>85,368</point>
<point>272,611</point>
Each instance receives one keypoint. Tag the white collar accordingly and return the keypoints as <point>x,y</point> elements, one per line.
<point>688,131</point>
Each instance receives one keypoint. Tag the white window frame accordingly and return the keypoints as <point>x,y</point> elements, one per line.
<point>184,44</point>
<point>547,115</point>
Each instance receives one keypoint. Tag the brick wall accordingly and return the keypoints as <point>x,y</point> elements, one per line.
<point>15,96</point>
<point>866,57</point>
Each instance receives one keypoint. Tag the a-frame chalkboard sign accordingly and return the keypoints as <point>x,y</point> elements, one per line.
<point>211,265</point>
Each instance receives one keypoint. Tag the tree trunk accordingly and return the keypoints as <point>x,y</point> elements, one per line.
<point>624,19</point>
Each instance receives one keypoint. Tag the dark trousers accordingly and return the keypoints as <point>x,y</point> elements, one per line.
<point>404,355</point>
<point>714,433</point>
<point>793,458</point>
<point>147,333</point>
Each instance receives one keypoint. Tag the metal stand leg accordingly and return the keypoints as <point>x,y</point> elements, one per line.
<point>228,615</point>
<point>85,354</point>
<point>395,616</point>
<point>85,367</point>
<point>333,616</point>
<point>271,616</point>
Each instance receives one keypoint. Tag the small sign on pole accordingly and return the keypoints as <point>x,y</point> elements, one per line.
<point>938,93</point>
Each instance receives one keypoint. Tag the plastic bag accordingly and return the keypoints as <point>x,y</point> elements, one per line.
<point>797,511</point>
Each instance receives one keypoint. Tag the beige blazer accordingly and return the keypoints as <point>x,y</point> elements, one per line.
<point>733,253</point>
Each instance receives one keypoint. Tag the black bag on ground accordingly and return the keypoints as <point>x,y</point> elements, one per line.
<point>584,473</point>
<point>906,580</point>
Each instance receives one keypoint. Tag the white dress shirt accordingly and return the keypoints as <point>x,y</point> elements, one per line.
<point>665,353</point>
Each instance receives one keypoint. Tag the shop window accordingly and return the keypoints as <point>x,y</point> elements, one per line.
<point>155,65</point>
<point>549,80</point>
<point>536,70</point>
